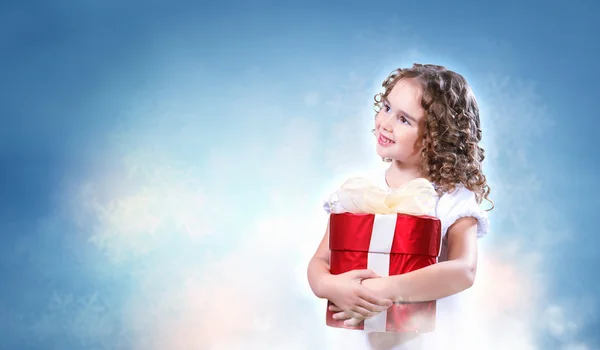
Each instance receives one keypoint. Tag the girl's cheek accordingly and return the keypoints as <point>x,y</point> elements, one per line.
<point>378,123</point>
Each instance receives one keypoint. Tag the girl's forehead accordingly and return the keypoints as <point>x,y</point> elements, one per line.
<point>407,88</point>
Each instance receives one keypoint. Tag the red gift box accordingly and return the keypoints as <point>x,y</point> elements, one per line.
<point>389,245</point>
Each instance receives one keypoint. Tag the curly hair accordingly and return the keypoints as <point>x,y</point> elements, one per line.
<point>451,153</point>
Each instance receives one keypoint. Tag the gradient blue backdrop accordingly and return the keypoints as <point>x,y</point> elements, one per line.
<point>77,76</point>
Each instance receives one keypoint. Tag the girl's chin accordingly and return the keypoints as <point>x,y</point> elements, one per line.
<point>384,155</point>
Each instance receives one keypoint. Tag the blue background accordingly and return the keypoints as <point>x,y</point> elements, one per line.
<point>108,97</point>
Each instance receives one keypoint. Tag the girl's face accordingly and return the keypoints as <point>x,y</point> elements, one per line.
<point>400,123</point>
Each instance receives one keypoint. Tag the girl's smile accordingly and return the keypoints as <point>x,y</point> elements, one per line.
<point>384,141</point>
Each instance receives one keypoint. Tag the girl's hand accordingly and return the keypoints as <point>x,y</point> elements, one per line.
<point>355,300</point>
<point>348,320</point>
<point>375,285</point>
<point>378,286</point>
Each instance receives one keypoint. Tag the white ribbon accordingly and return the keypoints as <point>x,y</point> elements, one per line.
<point>357,195</point>
<point>382,238</point>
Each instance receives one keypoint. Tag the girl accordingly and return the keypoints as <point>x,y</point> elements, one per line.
<point>427,125</point>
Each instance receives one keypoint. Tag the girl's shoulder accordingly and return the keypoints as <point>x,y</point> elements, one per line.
<point>458,195</point>
<point>461,202</point>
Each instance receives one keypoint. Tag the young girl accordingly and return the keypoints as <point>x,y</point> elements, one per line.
<point>427,126</point>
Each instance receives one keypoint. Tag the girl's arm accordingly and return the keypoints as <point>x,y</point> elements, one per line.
<point>439,280</point>
<point>318,268</point>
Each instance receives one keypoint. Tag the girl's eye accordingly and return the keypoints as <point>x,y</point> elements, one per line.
<point>401,118</point>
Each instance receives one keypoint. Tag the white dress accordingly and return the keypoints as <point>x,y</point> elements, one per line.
<point>449,331</point>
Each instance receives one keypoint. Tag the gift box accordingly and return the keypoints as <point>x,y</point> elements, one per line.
<point>388,244</point>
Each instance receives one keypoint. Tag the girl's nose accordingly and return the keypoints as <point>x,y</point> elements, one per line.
<point>386,122</point>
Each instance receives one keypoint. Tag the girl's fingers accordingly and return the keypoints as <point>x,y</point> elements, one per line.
<point>361,312</point>
<point>334,308</point>
<point>352,322</point>
<point>372,309</point>
<point>357,312</point>
<point>375,302</point>
<point>341,316</point>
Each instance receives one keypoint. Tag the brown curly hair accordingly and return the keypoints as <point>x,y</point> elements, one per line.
<point>451,154</point>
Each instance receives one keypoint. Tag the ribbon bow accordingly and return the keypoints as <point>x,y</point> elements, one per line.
<point>357,195</point>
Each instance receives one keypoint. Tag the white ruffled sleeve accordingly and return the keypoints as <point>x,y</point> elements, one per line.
<point>458,204</point>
